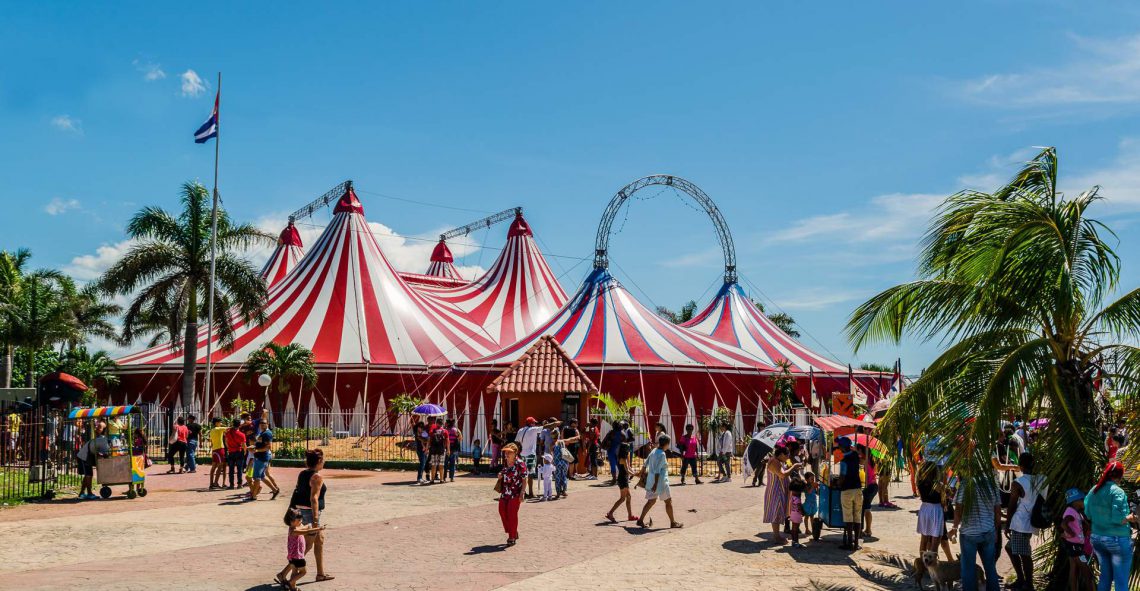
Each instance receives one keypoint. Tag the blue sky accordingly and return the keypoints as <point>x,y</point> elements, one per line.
<point>824,133</point>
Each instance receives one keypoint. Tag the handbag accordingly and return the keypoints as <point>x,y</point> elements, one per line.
<point>567,456</point>
<point>499,485</point>
<point>641,477</point>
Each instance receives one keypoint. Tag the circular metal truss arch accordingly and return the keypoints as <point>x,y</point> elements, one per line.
<point>605,226</point>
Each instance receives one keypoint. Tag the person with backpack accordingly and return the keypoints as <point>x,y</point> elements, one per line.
<point>437,450</point>
<point>453,436</point>
<point>612,442</point>
<point>1024,516</point>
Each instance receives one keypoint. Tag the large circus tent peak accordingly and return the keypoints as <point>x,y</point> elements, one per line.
<point>604,325</point>
<point>442,262</point>
<point>346,303</point>
<point>517,294</point>
<point>285,257</point>
<point>733,319</point>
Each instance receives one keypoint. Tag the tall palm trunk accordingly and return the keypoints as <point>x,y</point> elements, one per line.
<point>190,349</point>
<point>7,365</point>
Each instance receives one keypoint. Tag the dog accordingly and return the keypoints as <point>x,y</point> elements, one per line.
<point>942,573</point>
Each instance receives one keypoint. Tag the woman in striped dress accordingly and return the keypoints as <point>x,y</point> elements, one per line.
<point>776,495</point>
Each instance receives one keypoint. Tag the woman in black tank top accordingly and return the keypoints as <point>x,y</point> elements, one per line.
<point>311,508</point>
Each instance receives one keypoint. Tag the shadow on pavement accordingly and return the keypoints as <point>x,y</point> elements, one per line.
<point>486,549</point>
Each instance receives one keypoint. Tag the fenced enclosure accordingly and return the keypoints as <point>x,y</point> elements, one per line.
<point>37,458</point>
<point>37,455</point>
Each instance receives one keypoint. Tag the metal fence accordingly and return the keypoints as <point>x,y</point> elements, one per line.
<point>37,455</point>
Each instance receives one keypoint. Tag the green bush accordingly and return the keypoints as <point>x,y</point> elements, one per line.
<point>301,434</point>
<point>290,451</point>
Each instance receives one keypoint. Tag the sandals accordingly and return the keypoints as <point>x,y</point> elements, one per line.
<point>281,581</point>
<point>647,524</point>
<point>325,577</point>
<point>611,519</point>
<point>676,525</point>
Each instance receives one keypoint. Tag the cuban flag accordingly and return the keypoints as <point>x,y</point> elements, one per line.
<point>209,129</point>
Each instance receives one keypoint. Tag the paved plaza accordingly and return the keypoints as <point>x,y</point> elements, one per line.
<point>384,533</point>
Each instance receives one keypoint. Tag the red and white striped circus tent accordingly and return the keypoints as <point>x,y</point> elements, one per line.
<point>285,257</point>
<point>629,351</point>
<point>516,295</point>
<point>733,319</point>
<point>368,330</point>
<point>442,262</point>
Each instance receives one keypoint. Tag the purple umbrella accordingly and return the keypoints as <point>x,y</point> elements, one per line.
<point>1038,423</point>
<point>431,410</point>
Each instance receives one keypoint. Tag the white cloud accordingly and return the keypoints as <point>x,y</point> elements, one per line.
<point>1104,72</point>
<point>817,299</point>
<point>695,259</point>
<point>888,217</point>
<point>57,206</point>
<point>89,267</point>
<point>67,123</point>
<point>150,71</point>
<point>1119,180</point>
<point>192,84</point>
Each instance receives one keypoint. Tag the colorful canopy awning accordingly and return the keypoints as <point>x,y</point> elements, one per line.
<point>99,411</point>
<point>833,422</point>
<point>733,319</point>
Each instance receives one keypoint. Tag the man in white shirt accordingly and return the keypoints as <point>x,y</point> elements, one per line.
<point>725,447</point>
<point>527,438</point>
<point>657,484</point>
<point>1022,497</point>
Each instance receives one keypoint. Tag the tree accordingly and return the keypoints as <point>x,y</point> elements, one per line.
<point>879,367</point>
<point>1016,282</point>
<point>95,370</point>
<point>784,386</point>
<point>613,410</point>
<point>41,316</point>
<point>169,268</point>
<point>782,321</point>
<point>280,363</point>
<point>686,314</point>
<point>12,266</point>
<point>90,316</point>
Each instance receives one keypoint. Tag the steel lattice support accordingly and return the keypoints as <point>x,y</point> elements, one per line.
<point>331,195</point>
<point>605,226</point>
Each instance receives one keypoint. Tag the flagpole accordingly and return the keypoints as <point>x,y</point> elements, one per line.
<point>213,254</point>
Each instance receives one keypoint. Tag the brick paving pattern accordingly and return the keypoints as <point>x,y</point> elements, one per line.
<point>385,534</point>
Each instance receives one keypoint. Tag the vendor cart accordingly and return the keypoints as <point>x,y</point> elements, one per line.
<point>830,508</point>
<point>125,465</point>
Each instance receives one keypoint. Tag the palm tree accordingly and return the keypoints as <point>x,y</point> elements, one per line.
<point>91,316</point>
<point>281,362</point>
<point>613,410</point>
<point>93,369</point>
<point>170,270</point>
<point>41,317</point>
<point>1016,283</point>
<point>11,280</point>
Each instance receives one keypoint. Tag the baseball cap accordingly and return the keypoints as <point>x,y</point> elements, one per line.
<point>1073,494</point>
